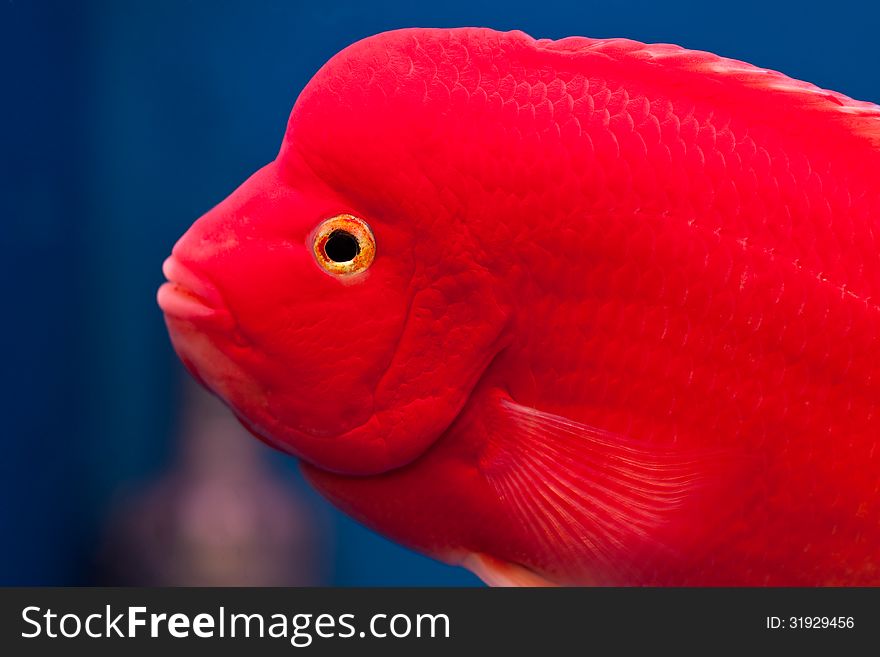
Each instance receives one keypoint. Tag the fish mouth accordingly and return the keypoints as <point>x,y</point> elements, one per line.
<point>189,297</point>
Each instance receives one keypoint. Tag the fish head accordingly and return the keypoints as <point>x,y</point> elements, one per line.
<point>335,301</point>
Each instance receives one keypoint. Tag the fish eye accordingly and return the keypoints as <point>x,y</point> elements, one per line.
<point>344,244</point>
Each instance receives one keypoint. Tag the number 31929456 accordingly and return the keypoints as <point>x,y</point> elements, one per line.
<point>811,622</point>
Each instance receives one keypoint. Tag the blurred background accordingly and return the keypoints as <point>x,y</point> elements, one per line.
<point>122,122</point>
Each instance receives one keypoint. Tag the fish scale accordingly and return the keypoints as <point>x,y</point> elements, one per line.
<point>620,327</point>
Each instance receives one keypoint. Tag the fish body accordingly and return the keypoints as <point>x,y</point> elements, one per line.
<point>619,323</point>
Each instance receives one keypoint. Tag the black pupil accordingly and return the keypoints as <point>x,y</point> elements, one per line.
<point>341,246</point>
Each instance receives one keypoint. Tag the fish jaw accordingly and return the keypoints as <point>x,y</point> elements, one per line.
<point>198,323</point>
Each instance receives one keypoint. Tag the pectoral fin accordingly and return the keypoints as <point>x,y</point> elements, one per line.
<point>596,503</point>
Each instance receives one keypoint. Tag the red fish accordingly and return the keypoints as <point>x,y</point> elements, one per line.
<point>585,311</point>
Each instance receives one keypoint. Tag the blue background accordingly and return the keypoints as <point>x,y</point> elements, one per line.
<point>123,121</point>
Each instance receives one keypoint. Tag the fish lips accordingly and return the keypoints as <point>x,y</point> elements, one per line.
<point>189,297</point>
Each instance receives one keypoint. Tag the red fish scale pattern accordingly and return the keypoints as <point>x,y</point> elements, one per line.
<point>693,258</point>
